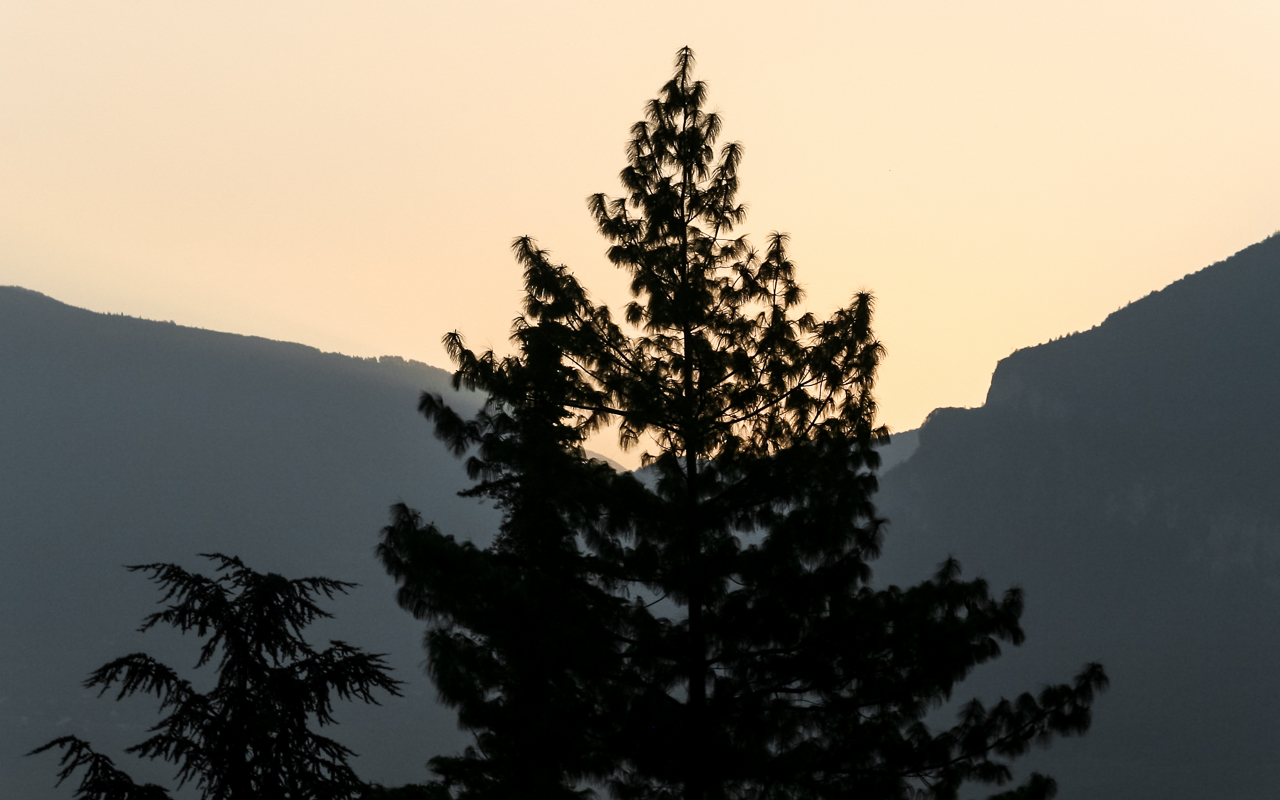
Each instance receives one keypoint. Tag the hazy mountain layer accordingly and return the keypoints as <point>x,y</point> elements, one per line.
<point>1126,478</point>
<point>125,441</point>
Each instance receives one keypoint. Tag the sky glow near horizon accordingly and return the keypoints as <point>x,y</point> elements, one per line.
<point>350,176</point>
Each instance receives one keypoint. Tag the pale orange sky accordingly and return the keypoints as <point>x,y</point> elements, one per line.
<point>350,175</point>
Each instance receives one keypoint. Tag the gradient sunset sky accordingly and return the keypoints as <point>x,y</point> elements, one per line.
<point>350,175</point>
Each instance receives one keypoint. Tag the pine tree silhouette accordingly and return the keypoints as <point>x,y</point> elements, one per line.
<point>708,631</point>
<point>251,736</point>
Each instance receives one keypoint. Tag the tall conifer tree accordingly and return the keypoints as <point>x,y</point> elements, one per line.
<point>705,629</point>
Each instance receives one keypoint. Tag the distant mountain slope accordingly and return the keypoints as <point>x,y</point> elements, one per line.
<point>125,441</point>
<point>1125,476</point>
<point>1128,477</point>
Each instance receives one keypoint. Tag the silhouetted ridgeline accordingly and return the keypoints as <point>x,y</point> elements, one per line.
<point>126,441</point>
<point>1125,476</point>
<point>1128,477</point>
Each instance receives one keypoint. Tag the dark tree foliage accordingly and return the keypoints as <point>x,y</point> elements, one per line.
<point>251,736</point>
<point>707,630</point>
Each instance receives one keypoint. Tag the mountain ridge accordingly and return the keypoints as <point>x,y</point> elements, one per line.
<point>127,441</point>
<point>1125,477</point>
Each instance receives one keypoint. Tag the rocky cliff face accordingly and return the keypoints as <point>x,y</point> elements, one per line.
<point>1127,477</point>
